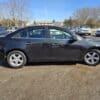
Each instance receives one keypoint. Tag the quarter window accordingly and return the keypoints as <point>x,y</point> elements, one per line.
<point>20,34</point>
<point>37,33</point>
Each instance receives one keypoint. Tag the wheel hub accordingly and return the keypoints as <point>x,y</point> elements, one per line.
<point>16,59</point>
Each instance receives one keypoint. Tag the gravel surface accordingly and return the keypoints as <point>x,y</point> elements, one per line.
<point>50,82</point>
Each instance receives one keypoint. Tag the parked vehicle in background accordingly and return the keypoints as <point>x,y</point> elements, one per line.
<point>47,44</point>
<point>83,31</point>
<point>12,29</point>
<point>3,30</point>
<point>97,33</point>
<point>71,29</point>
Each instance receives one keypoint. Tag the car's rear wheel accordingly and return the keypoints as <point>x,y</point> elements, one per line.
<point>92,57</point>
<point>16,59</point>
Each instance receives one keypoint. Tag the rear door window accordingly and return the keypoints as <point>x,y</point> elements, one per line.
<point>37,33</point>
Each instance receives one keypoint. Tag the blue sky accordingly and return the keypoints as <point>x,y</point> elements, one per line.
<point>57,9</point>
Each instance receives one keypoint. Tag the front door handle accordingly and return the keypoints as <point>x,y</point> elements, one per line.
<point>46,45</point>
<point>55,45</point>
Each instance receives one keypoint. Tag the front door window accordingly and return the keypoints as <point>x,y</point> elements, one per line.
<point>58,34</point>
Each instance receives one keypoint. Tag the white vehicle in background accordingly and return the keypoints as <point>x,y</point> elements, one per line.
<point>97,32</point>
<point>12,29</point>
<point>84,31</point>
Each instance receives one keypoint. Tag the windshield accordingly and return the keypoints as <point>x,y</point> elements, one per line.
<point>79,37</point>
<point>76,36</point>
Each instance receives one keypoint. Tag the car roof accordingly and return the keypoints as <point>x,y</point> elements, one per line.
<point>41,26</point>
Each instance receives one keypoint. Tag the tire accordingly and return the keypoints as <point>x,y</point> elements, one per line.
<point>92,57</point>
<point>16,59</point>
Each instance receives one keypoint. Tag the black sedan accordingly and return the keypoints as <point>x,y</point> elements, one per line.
<point>47,44</point>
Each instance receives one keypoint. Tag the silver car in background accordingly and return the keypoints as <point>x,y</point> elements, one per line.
<point>83,31</point>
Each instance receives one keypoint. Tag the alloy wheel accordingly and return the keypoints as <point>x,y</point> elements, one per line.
<point>92,58</point>
<point>16,59</point>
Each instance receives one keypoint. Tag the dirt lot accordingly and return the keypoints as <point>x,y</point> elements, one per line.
<point>50,82</point>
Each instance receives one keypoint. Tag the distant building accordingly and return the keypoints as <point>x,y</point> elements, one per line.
<point>49,23</point>
<point>29,23</point>
<point>58,23</point>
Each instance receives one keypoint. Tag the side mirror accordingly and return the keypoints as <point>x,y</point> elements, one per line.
<point>72,39</point>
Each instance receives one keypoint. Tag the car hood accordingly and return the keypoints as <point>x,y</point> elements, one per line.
<point>95,42</point>
<point>93,39</point>
<point>88,43</point>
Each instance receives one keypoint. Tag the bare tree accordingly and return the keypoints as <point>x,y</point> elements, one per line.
<point>18,10</point>
<point>85,14</point>
<point>81,15</point>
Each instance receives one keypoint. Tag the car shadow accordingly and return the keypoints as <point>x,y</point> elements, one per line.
<point>3,64</point>
<point>41,64</point>
<point>51,63</point>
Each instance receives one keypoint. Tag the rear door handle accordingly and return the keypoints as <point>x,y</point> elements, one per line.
<point>28,43</point>
<point>55,44</point>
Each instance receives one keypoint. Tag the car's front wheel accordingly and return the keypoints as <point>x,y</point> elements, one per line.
<point>92,57</point>
<point>16,59</point>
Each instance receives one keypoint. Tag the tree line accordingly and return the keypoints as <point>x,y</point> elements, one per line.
<point>84,16</point>
<point>17,13</point>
